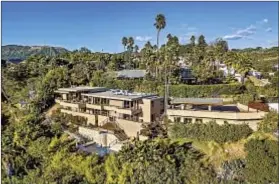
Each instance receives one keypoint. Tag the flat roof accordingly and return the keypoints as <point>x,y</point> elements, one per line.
<point>80,89</point>
<point>120,96</point>
<point>197,101</point>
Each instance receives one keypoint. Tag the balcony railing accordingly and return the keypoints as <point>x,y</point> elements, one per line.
<point>129,119</point>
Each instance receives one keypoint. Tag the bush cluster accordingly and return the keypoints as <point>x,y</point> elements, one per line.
<point>211,131</point>
<point>183,90</point>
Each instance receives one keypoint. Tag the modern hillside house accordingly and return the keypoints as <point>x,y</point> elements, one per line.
<point>100,105</point>
<point>194,110</point>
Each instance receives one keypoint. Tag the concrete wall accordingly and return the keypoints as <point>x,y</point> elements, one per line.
<point>130,127</point>
<point>72,105</point>
<point>216,114</point>
<point>117,103</point>
<point>93,106</point>
<point>146,110</point>
<point>91,118</point>
<point>64,96</point>
<point>273,106</point>
<point>95,136</point>
<point>252,123</point>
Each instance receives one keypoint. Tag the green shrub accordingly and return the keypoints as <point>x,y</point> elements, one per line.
<point>211,131</point>
<point>261,161</point>
<point>183,90</point>
<point>269,123</point>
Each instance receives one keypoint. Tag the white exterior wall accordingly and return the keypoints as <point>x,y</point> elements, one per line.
<point>95,136</point>
<point>130,128</point>
<point>273,106</point>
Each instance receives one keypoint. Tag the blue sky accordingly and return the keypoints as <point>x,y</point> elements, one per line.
<point>101,25</point>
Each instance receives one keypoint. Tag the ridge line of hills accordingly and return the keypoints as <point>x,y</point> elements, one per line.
<point>17,53</point>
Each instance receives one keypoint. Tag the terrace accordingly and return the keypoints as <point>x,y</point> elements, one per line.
<point>212,108</point>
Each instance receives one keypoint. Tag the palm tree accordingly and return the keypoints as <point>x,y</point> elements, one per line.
<point>130,47</point>
<point>130,43</point>
<point>124,42</point>
<point>159,24</point>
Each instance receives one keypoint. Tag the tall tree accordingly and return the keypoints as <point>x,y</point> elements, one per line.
<point>201,41</point>
<point>159,24</point>
<point>192,40</point>
<point>243,64</point>
<point>130,44</point>
<point>136,48</point>
<point>124,42</point>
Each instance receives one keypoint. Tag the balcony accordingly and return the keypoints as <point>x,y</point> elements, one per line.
<point>90,117</point>
<point>72,104</point>
<point>122,110</point>
<point>95,106</point>
<point>82,114</point>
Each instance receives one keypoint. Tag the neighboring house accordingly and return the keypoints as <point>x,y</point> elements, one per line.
<point>100,106</point>
<point>273,106</point>
<point>203,110</point>
<point>226,70</point>
<point>186,76</point>
<point>255,73</point>
<point>130,74</point>
<point>276,67</point>
<point>231,71</point>
<point>239,77</point>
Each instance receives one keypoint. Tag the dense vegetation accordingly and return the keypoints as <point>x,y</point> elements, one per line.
<point>262,161</point>
<point>35,150</point>
<point>17,53</point>
<point>211,131</point>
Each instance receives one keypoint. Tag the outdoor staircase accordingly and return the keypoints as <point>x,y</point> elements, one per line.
<point>121,135</point>
<point>117,130</point>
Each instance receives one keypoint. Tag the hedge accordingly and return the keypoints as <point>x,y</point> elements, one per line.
<point>180,90</point>
<point>211,131</point>
<point>183,90</point>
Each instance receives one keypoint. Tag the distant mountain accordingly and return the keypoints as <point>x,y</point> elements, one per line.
<point>17,53</point>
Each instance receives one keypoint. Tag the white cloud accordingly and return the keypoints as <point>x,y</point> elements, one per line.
<point>192,28</point>
<point>188,28</point>
<point>272,43</point>
<point>247,31</point>
<point>143,38</point>
<point>269,29</point>
<point>186,37</point>
<point>265,20</point>
<point>241,33</point>
<point>233,37</point>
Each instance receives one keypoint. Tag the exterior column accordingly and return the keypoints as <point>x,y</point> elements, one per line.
<point>209,107</point>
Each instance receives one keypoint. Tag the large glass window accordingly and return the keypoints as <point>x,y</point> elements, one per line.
<point>187,120</point>
<point>177,119</point>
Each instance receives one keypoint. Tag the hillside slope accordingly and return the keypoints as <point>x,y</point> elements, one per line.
<point>17,53</point>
